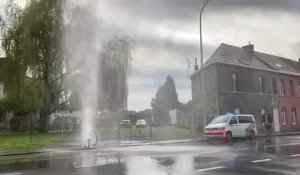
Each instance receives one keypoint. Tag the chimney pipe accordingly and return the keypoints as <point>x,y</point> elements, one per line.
<point>196,67</point>
<point>249,49</point>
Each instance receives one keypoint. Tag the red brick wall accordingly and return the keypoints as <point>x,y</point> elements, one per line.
<point>288,101</point>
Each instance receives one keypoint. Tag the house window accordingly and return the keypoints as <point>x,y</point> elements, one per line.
<point>281,85</point>
<point>263,111</point>
<point>261,81</point>
<point>294,116</point>
<point>283,115</point>
<point>234,81</point>
<point>274,86</point>
<point>260,84</point>
<point>237,110</point>
<point>299,88</point>
<point>292,88</point>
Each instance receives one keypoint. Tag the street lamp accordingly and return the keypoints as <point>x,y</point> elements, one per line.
<point>200,25</point>
<point>202,90</point>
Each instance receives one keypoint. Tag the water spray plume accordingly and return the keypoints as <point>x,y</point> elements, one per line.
<point>82,45</point>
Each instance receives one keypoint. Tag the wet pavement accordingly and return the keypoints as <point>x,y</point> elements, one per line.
<point>280,156</point>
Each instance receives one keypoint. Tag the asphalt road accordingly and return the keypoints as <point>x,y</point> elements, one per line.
<point>280,156</point>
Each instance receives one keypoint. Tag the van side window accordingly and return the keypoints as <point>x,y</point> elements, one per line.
<point>233,120</point>
<point>245,119</point>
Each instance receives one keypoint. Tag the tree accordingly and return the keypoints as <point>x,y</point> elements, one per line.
<point>114,57</point>
<point>114,70</point>
<point>32,45</point>
<point>186,107</point>
<point>166,99</point>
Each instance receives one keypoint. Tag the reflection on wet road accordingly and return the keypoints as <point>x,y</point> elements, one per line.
<point>281,156</point>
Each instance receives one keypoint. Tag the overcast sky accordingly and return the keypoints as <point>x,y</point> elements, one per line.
<point>167,33</point>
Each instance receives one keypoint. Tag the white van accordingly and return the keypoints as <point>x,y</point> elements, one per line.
<point>231,125</point>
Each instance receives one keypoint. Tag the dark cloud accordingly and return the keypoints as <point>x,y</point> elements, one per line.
<point>189,9</point>
<point>182,49</point>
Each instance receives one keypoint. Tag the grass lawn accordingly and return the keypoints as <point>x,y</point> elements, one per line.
<point>10,141</point>
<point>172,132</point>
<point>158,133</point>
<point>13,141</point>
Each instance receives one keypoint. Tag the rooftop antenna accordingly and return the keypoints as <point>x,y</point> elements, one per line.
<point>188,70</point>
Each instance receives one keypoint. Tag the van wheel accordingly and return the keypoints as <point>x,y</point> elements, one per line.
<point>228,137</point>
<point>252,135</point>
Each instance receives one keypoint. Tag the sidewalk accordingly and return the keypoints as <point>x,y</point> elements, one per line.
<point>282,134</point>
<point>114,143</point>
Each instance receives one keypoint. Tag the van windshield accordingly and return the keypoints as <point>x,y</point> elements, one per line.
<point>220,119</point>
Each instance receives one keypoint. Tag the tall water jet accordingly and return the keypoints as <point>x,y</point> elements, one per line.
<point>82,45</point>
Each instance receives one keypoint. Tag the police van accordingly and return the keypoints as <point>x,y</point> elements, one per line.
<point>229,126</point>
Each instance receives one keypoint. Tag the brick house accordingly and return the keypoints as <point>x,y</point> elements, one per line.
<point>241,80</point>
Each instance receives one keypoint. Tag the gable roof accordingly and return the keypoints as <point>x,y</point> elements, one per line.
<point>229,54</point>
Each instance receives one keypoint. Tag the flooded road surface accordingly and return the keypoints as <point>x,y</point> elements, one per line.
<point>281,156</point>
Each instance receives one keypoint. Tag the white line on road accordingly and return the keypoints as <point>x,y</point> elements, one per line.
<point>13,174</point>
<point>212,168</point>
<point>262,160</point>
<point>89,165</point>
<point>241,149</point>
<point>295,155</point>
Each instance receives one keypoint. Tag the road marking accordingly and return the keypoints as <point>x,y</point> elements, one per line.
<point>295,155</point>
<point>13,174</point>
<point>262,160</point>
<point>241,149</point>
<point>89,165</point>
<point>100,162</point>
<point>212,168</point>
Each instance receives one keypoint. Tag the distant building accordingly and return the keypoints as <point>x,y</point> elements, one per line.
<point>174,115</point>
<point>180,119</point>
<point>241,80</point>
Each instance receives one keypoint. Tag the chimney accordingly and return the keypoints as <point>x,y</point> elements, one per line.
<point>196,67</point>
<point>249,49</point>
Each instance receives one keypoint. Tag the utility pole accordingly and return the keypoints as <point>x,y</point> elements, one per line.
<point>188,71</point>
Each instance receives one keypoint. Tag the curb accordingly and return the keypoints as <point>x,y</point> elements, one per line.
<point>23,153</point>
<point>280,135</point>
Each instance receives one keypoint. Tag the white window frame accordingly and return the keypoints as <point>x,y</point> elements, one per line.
<point>260,84</point>
<point>234,81</point>
<point>298,89</point>
<point>263,111</point>
<point>294,115</point>
<point>283,115</point>
<point>281,87</point>
<point>237,110</point>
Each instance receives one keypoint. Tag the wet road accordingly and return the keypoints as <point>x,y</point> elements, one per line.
<point>281,156</point>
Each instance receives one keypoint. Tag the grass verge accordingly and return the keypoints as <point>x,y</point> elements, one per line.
<point>13,141</point>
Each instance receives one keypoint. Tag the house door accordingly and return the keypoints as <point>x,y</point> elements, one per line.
<point>276,120</point>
